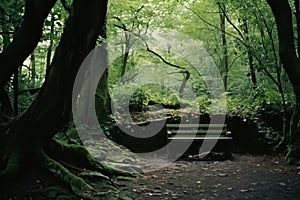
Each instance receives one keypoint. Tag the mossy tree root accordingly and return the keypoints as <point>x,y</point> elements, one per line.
<point>79,156</point>
<point>78,185</point>
<point>11,166</point>
<point>72,164</point>
<point>87,184</point>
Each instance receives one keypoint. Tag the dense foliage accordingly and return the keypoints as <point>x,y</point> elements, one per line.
<point>153,59</point>
<point>248,61</point>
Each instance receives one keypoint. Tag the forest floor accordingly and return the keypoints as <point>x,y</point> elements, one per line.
<point>243,177</point>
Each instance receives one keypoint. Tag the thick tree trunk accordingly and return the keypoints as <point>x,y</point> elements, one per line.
<point>26,38</point>
<point>283,16</point>
<point>51,110</point>
<point>30,139</point>
<point>53,103</point>
<point>6,109</point>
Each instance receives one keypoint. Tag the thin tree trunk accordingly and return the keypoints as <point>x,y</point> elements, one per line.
<point>297,14</point>
<point>49,51</point>
<point>250,56</point>
<point>33,70</point>
<point>125,58</point>
<point>225,62</point>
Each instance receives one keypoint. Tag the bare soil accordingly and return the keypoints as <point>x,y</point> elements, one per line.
<point>244,177</point>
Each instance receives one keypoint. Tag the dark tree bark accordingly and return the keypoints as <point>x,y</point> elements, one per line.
<point>32,71</point>
<point>29,139</point>
<point>53,103</point>
<point>283,16</point>
<point>6,109</point>
<point>26,38</point>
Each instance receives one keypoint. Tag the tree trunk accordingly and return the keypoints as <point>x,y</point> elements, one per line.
<point>250,56</point>
<point>125,57</point>
<point>6,109</point>
<point>26,38</point>
<point>283,16</point>
<point>29,139</point>
<point>49,51</point>
<point>73,48</point>
<point>297,14</point>
<point>225,62</point>
<point>32,71</point>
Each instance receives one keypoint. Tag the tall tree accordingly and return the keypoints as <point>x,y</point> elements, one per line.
<point>283,16</point>
<point>29,140</point>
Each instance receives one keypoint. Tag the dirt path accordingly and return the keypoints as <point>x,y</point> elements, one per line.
<point>245,177</point>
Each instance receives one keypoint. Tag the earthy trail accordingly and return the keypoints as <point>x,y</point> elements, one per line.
<point>244,177</point>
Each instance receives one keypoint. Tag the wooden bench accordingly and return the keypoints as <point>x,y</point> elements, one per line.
<point>194,134</point>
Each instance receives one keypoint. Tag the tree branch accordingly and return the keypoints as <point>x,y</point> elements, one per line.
<point>26,39</point>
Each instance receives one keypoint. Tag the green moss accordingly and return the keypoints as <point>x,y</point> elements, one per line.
<point>77,184</point>
<point>79,156</point>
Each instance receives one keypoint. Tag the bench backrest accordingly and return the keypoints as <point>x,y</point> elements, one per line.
<point>197,129</point>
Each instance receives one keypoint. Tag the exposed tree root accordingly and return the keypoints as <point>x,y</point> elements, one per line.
<point>77,155</point>
<point>73,165</point>
<point>92,178</point>
<point>79,186</point>
<point>12,166</point>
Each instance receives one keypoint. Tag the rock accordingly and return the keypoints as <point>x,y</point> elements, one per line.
<point>282,184</point>
<point>244,190</point>
<point>222,174</point>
